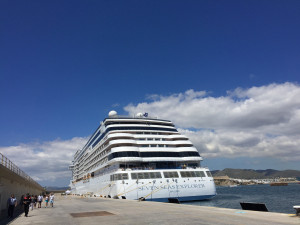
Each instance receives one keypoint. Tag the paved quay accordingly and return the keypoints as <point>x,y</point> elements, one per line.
<point>78,210</point>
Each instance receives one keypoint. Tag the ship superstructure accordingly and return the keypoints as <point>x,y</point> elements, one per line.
<point>140,158</point>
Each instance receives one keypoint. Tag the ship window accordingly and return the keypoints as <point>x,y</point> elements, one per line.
<point>119,176</point>
<point>200,174</point>
<point>184,173</point>
<point>145,146</point>
<point>157,139</point>
<point>208,174</point>
<point>153,145</point>
<point>150,175</point>
<point>174,174</point>
<point>171,174</point>
<point>142,139</point>
<point>157,174</point>
<point>187,174</point>
<point>124,176</point>
<point>149,139</point>
<point>161,146</point>
<point>140,176</point>
<point>192,174</point>
<point>133,154</point>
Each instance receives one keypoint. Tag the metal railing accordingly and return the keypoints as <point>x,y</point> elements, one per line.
<point>12,167</point>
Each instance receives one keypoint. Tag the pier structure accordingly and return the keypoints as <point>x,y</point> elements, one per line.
<point>81,210</point>
<point>14,181</point>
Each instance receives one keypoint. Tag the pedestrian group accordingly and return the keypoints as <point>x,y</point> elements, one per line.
<point>29,202</point>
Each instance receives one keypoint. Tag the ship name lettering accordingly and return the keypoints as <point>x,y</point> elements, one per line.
<point>171,187</point>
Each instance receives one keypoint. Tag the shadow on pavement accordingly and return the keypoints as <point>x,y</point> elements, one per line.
<point>3,216</point>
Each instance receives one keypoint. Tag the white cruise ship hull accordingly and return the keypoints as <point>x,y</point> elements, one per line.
<point>161,189</point>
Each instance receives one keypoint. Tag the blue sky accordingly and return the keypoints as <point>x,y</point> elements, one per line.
<point>65,64</point>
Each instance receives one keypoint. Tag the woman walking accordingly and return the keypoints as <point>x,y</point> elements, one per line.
<point>51,199</point>
<point>46,201</point>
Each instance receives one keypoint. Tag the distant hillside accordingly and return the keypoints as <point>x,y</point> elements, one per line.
<point>53,188</point>
<point>255,174</point>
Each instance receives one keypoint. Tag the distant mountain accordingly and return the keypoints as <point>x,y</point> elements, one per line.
<point>255,174</point>
<point>54,188</point>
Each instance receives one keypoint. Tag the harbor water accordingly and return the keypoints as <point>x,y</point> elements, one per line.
<point>277,198</point>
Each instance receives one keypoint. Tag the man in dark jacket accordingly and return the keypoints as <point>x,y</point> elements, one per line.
<point>27,201</point>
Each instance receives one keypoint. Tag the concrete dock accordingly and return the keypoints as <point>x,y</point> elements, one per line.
<point>79,210</point>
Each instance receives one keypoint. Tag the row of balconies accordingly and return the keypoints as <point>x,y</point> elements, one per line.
<point>114,142</point>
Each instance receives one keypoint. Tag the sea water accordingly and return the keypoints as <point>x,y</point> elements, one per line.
<point>277,198</point>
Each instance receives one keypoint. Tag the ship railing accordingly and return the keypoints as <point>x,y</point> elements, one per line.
<point>4,161</point>
<point>133,116</point>
<point>136,117</point>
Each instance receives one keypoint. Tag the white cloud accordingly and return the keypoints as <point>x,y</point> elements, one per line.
<point>256,122</point>
<point>46,161</point>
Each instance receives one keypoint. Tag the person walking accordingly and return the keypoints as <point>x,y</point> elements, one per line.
<point>40,200</point>
<point>27,202</point>
<point>32,202</point>
<point>35,201</point>
<point>51,199</point>
<point>11,204</point>
<point>22,200</point>
<point>46,200</point>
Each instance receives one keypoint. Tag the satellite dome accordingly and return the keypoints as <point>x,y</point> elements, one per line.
<point>112,113</point>
<point>139,115</point>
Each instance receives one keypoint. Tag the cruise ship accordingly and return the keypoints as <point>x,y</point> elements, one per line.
<point>140,158</point>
